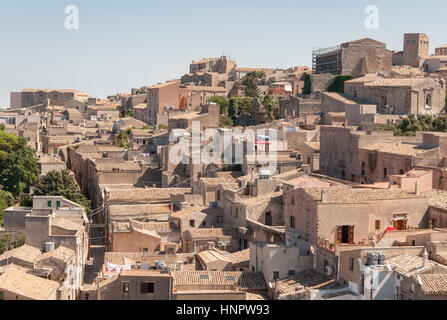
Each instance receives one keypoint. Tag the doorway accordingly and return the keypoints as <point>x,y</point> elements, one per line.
<point>345,234</point>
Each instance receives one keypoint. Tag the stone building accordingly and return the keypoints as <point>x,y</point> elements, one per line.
<point>136,284</point>
<point>17,283</point>
<point>137,236</point>
<point>425,287</point>
<point>399,96</point>
<point>342,215</point>
<point>436,63</point>
<point>368,157</point>
<point>218,65</point>
<point>160,97</point>
<point>416,49</point>
<point>48,164</point>
<point>355,58</point>
<point>33,97</point>
<point>441,51</point>
<point>298,107</point>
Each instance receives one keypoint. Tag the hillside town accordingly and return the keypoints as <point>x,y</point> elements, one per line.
<point>322,182</point>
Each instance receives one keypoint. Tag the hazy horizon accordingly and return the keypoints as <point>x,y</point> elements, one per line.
<point>124,45</point>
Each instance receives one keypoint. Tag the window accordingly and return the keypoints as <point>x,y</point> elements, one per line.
<point>291,273</point>
<point>192,223</point>
<point>293,201</point>
<point>377,224</point>
<point>58,204</point>
<point>126,286</point>
<point>351,264</point>
<point>147,287</point>
<point>385,173</point>
<point>204,224</point>
<point>218,219</point>
<point>292,222</point>
<point>49,204</point>
<point>275,275</point>
<point>413,243</point>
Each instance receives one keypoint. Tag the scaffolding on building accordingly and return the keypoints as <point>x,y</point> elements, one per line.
<point>320,52</point>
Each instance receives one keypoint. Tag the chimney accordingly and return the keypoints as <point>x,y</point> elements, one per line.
<point>323,196</point>
<point>417,188</point>
<point>424,258</point>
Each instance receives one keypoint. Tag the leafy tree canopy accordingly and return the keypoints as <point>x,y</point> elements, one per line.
<point>223,103</point>
<point>18,166</point>
<point>61,183</point>
<point>409,126</point>
<point>240,106</point>
<point>271,107</point>
<point>250,83</point>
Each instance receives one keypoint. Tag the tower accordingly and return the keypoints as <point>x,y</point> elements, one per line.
<point>416,49</point>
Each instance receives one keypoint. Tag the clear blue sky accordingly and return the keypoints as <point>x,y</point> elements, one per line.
<point>125,44</point>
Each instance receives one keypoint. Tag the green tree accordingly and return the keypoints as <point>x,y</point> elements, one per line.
<point>6,201</point>
<point>440,123</point>
<point>18,166</point>
<point>337,84</point>
<point>225,121</point>
<point>122,140</point>
<point>271,107</point>
<point>307,88</point>
<point>6,243</point>
<point>426,122</point>
<point>250,82</point>
<point>61,183</point>
<point>240,106</point>
<point>223,103</point>
<point>27,201</point>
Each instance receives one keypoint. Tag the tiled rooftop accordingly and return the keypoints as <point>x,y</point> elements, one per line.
<point>206,233</point>
<point>408,264</point>
<point>402,148</point>
<point>309,278</point>
<point>25,253</point>
<point>209,256</point>
<point>245,281</point>
<point>343,194</point>
<point>432,284</point>
<point>17,280</point>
